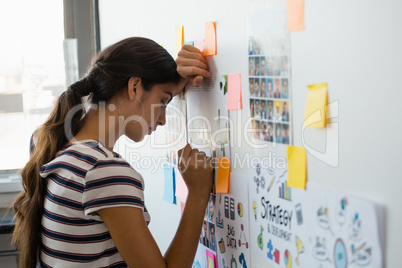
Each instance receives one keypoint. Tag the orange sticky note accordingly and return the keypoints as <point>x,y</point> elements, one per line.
<point>181,187</point>
<point>317,100</point>
<point>199,44</point>
<point>297,167</point>
<point>295,13</point>
<point>178,39</point>
<point>210,39</point>
<point>234,101</point>
<point>223,175</point>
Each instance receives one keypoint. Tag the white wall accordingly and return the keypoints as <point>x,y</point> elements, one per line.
<point>354,46</point>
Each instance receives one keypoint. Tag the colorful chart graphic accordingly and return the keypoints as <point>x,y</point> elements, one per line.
<point>284,191</point>
<point>288,259</point>
<point>240,209</point>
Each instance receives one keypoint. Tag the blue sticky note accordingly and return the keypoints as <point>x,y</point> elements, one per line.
<point>170,184</point>
<point>189,43</point>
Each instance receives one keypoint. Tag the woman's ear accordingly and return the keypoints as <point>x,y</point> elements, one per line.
<point>134,87</point>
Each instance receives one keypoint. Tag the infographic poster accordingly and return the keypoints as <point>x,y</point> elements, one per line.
<point>317,227</point>
<point>277,225</point>
<point>232,224</point>
<point>269,72</point>
<point>343,230</point>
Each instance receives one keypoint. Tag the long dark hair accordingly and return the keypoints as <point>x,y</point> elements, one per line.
<point>109,73</point>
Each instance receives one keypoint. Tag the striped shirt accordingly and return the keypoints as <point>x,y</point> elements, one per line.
<point>83,178</point>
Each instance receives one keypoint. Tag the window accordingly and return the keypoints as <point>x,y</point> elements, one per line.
<point>32,72</point>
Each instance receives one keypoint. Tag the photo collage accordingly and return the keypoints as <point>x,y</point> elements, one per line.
<point>269,91</point>
<point>207,237</point>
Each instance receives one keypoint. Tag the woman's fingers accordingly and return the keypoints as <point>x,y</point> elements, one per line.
<point>192,72</point>
<point>191,49</point>
<point>188,62</point>
<point>192,65</point>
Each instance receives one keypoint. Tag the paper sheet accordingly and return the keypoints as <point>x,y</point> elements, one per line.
<point>316,227</point>
<point>232,224</point>
<point>175,128</point>
<point>342,229</point>
<point>207,116</point>
<point>269,80</point>
<point>206,251</point>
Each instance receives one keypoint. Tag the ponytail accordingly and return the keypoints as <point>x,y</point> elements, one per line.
<point>28,206</point>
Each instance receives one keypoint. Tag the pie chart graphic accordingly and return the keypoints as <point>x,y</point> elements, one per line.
<point>288,259</point>
<point>240,209</point>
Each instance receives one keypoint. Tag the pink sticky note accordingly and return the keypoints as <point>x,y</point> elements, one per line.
<point>210,39</point>
<point>181,187</point>
<point>211,259</point>
<point>295,15</point>
<point>234,92</point>
<point>182,204</point>
<point>199,44</point>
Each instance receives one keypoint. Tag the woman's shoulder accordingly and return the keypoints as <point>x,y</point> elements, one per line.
<point>94,150</point>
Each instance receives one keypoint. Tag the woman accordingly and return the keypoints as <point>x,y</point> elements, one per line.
<point>82,204</point>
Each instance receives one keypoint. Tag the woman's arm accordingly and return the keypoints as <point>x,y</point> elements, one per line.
<point>197,172</point>
<point>131,234</point>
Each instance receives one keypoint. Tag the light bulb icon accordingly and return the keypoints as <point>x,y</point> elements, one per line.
<point>255,209</point>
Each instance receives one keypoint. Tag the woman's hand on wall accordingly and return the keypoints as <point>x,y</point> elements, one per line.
<point>192,66</point>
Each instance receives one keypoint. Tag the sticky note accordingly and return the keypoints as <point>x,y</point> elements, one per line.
<point>199,44</point>
<point>234,101</point>
<point>181,187</point>
<point>211,259</point>
<point>295,14</point>
<point>297,167</point>
<point>189,43</point>
<point>182,205</point>
<point>169,191</point>
<point>210,39</point>
<point>222,175</point>
<point>317,100</point>
<point>178,39</point>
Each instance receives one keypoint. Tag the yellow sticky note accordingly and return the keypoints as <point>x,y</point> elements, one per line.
<point>297,167</point>
<point>295,14</point>
<point>317,100</point>
<point>178,39</point>
<point>210,39</point>
<point>223,175</point>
